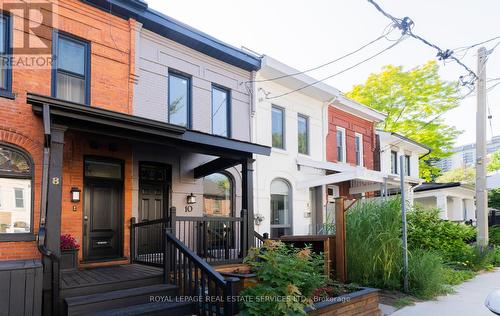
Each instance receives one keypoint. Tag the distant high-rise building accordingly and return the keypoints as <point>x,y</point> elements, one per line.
<point>465,156</point>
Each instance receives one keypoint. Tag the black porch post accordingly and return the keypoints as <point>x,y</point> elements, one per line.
<point>247,198</point>
<point>54,200</point>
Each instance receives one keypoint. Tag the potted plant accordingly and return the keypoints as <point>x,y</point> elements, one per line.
<point>69,252</point>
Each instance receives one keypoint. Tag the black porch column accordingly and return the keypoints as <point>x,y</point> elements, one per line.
<point>54,207</point>
<point>247,197</point>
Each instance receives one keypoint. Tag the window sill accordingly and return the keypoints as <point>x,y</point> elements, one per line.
<point>17,237</point>
<point>7,94</point>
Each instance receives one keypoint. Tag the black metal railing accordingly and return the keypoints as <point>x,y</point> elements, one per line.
<point>260,239</point>
<point>215,239</point>
<point>198,279</point>
<point>147,241</point>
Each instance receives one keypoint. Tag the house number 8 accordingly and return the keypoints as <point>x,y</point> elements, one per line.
<point>55,181</point>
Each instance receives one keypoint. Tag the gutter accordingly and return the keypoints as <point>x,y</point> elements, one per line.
<point>42,232</point>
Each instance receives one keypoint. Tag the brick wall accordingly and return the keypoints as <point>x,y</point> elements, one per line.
<point>112,44</point>
<point>352,124</point>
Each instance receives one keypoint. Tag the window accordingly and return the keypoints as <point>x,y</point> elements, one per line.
<point>5,52</point>
<point>220,112</point>
<point>358,144</point>
<point>394,162</point>
<point>303,134</point>
<point>71,69</point>
<point>341,150</point>
<point>16,194</point>
<point>407,165</point>
<point>218,195</point>
<point>19,196</point>
<point>281,215</point>
<point>179,99</point>
<point>278,127</point>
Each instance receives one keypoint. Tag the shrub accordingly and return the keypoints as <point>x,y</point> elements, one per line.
<point>481,258</point>
<point>494,234</point>
<point>374,245</point>
<point>427,231</point>
<point>285,272</point>
<point>455,277</point>
<point>425,275</point>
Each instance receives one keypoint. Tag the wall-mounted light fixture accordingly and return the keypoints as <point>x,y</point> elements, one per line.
<point>75,194</point>
<point>191,199</point>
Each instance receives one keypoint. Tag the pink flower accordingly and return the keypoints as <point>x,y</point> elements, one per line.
<point>68,242</point>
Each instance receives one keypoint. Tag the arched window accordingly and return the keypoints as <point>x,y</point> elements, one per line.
<point>218,195</point>
<point>16,209</point>
<point>281,208</point>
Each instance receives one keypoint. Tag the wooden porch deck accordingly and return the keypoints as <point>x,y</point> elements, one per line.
<point>101,279</point>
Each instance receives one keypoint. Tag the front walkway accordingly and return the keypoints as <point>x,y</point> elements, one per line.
<point>468,299</point>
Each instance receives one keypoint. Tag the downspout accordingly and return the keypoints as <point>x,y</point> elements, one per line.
<point>42,232</point>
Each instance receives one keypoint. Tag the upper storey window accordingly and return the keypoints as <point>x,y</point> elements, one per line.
<point>5,51</point>
<point>179,99</point>
<point>220,112</point>
<point>303,134</point>
<point>341,146</point>
<point>278,127</point>
<point>72,69</point>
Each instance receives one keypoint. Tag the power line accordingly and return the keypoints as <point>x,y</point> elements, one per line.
<point>384,35</point>
<point>338,73</point>
<point>476,44</point>
<point>406,25</point>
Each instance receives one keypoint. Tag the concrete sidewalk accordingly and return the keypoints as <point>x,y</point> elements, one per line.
<point>467,301</point>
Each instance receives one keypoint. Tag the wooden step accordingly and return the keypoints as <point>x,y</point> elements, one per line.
<point>150,309</point>
<point>89,304</point>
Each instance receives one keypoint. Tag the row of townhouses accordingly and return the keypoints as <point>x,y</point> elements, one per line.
<point>142,123</point>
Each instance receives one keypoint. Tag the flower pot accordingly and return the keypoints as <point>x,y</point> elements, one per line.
<point>69,259</point>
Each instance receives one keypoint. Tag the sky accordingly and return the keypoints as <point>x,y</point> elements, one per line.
<point>306,33</point>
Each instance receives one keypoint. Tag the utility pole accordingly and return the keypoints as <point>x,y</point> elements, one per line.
<point>403,220</point>
<point>481,192</point>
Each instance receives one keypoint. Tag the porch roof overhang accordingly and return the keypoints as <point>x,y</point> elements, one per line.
<point>363,179</point>
<point>133,128</point>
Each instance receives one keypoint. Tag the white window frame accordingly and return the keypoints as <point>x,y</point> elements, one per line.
<point>344,152</point>
<point>361,153</point>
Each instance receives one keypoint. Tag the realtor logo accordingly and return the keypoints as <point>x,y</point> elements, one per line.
<point>27,33</point>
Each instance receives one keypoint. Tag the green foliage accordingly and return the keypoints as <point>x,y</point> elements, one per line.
<point>283,272</point>
<point>494,198</point>
<point>403,301</point>
<point>494,163</point>
<point>425,277</point>
<point>496,257</point>
<point>455,277</point>
<point>463,175</point>
<point>374,244</point>
<point>481,258</point>
<point>494,235</point>
<point>427,231</point>
<point>413,101</point>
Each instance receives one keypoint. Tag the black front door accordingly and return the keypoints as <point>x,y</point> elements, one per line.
<point>154,180</point>
<point>103,211</point>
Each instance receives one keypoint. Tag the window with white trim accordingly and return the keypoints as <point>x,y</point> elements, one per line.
<point>358,146</point>
<point>341,146</point>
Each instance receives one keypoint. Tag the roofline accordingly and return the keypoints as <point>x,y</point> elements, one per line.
<point>179,32</point>
<point>443,186</point>
<point>368,112</point>
<point>145,127</point>
<point>407,140</point>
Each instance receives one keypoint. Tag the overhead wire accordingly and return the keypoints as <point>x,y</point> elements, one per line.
<point>338,73</point>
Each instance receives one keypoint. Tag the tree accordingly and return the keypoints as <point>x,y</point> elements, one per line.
<point>414,102</point>
<point>464,175</point>
<point>494,164</point>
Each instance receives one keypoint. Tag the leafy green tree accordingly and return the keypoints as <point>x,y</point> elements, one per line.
<point>463,175</point>
<point>414,102</point>
<point>494,164</point>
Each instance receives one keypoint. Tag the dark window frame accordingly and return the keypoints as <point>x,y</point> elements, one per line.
<point>30,236</point>
<point>8,37</point>
<point>56,35</point>
<point>407,165</point>
<point>228,104</point>
<point>394,158</point>
<point>181,75</point>
<point>306,118</point>
<point>283,126</point>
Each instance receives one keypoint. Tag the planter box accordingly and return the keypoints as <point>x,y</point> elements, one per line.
<point>69,260</point>
<point>360,303</point>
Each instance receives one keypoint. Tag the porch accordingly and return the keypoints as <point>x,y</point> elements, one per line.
<point>129,200</point>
